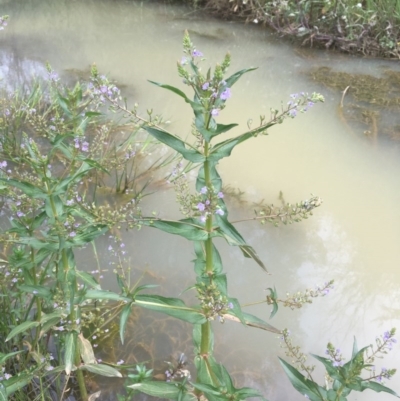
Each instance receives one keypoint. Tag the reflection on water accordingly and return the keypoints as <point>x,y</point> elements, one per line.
<point>353,238</point>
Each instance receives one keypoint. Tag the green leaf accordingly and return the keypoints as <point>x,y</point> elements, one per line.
<point>17,382</point>
<point>170,306</point>
<point>216,181</point>
<point>303,385</point>
<point>126,311</point>
<point>208,389</point>
<point>159,389</point>
<point>355,349</point>
<point>4,357</point>
<point>27,188</point>
<point>54,207</point>
<point>101,294</point>
<point>69,354</point>
<point>87,279</point>
<point>236,310</point>
<point>332,371</point>
<point>195,106</point>
<point>86,350</point>
<point>187,228</point>
<point>233,78</point>
<point>101,369</point>
<point>254,321</point>
<point>224,149</point>
<point>64,104</point>
<point>25,326</point>
<point>378,388</point>
<point>49,316</point>
<point>247,392</point>
<point>186,150</point>
<point>37,290</point>
<point>274,297</point>
<point>231,235</point>
<point>3,393</point>
<point>90,233</point>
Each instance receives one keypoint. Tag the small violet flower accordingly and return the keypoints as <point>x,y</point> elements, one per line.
<point>214,112</point>
<point>201,206</point>
<point>226,94</point>
<point>203,190</point>
<point>220,212</point>
<point>197,53</point>
<point>205,86</point>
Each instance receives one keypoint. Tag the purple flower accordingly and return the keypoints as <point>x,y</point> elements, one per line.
<point>207,202</point>
<point>293,113</point>
<point>20,214</point>
<point>201,206</point>
<point>72,234</point>
<point>203,190</point>
<point>203,218</point>
<point>214,112</point>
<point>183,61</point>
<point>3,164</point>
<point>220,195</point>
<point>226,94</point>
<point>197,53</point>
<point>85,147</point>
<point>7,112</point>
<point>220,212</point>
<point>205,86</point>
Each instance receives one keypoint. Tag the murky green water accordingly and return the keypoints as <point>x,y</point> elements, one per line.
<point>353,238</point>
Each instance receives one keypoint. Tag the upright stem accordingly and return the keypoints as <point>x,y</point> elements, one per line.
<point>206,327</point>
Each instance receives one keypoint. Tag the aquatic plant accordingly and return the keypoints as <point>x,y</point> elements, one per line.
<point>54,310</point>
<point>206,218</point>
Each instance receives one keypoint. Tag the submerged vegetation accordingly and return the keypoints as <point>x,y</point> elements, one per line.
<point>58,148</point>
<point>367,27</point>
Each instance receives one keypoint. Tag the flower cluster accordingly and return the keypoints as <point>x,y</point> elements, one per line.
<point>299,359</point>
<point>335,355</point>
<point>80,143</point>
<point>299,299</point>
<point>213,303</point>
<point>101,89</point>
<point>3,22</point>
<point>209,203</point>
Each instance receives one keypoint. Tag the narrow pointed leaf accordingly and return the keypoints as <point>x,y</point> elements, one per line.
<point>37,290</point>
<point>186,150</point>
<point>21,328</point>
<point>102,294</point>
<point>177,91</point>
<point>170,306</point>
<point>86,350</point>
<point>233,78</point>
<point>254,321</point>
<point>69,354</point>
<point>187,228</point>
<point>159,389</point>
<point>303,385</point>
<point>126,311</point>
<point>101,369</point>
<point>224,149</point>
<point>87,279</point>
<point>378,388</point>
<point>231,235</point>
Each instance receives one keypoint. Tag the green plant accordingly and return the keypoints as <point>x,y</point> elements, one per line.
<point>206,218</point>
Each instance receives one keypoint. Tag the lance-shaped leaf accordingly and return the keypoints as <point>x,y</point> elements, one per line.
<point>378,388</point>
<point>16,382</point>
<point>102,294</point>
<point>214,130</point>
<point>27,325</point>
<point>216,181</point>
<point>101,369</point>
<point>224,149</point>
<point>205,374</point>
<point>187,228</point>
<point>231,235</point>
<point>233,78</point>
<point>195,106</point>
<point>126,311</point>
<point>88,235</point>
<point>38,290</point>
<point>170,391</point>
<point>87,279</point>
<point>303,385</point>
<point>254,321</point>
<point>332,370</point>
<point>27,188</point>
<point>69,354</point>
<point>4,357</point>
<point>170,306</point>
<point>182,147</point>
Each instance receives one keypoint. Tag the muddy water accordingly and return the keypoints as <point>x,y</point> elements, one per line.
<point>353,238</point>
